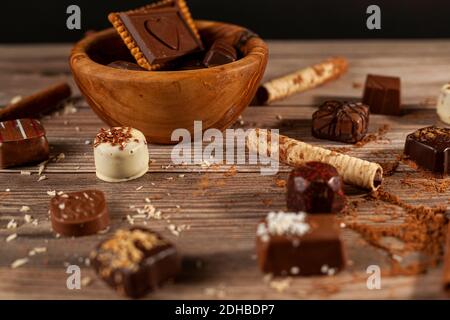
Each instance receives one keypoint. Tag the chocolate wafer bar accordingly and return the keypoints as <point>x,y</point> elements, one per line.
<point>159,33</point>
<point>22,141</point>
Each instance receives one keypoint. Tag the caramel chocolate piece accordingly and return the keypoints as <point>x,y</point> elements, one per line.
<point>79,214</point>
<point>125,65</point>
<point>299,244</point>
<point>430,148</point>
<point>382,94</point>
<point>136,261</point>
<point>37,104</point>
<point>221,52</point>
<point>158,34</point>
<point>22,141</point>
<point>315,187</point>
<point>341,121</point>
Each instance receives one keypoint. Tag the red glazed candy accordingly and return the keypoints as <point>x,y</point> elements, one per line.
<point>315,187</point>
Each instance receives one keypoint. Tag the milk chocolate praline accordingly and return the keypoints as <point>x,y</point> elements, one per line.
<point>79,213</point>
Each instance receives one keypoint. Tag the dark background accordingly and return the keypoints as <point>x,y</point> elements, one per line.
<point>45,21</point>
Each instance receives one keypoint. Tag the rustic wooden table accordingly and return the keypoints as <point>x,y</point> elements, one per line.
<point>218,208</point>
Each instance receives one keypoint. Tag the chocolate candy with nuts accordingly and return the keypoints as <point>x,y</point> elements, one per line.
<point>297,244</point>
<point>22,141</point>
<point>135,261</point>
<point>341,121</point>
<point>315,187</point>
<point>79,214</point>
<point>430,148</point>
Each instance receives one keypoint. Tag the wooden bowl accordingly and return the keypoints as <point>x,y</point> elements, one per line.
<point>158,102</point>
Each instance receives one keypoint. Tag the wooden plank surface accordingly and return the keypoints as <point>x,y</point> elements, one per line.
<point>219,208</point>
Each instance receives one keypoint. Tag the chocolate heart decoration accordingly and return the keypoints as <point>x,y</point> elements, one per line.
<point>165,30</point>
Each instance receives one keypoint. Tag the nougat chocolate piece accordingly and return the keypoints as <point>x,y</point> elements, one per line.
<point>221,52</point>
<point>135,261</point>
<point>341,121</point>
<point>299,245</point>
<point>315,187</point>
<point>80,213</point>
<point>383,95</point>
<point>22,141</point>
<point>430,148</point>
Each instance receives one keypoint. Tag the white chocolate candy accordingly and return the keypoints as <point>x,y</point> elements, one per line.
<point>443,106</point>
<point>120,154</point>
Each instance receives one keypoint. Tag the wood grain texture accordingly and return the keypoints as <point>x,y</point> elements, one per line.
<point>220,206</point>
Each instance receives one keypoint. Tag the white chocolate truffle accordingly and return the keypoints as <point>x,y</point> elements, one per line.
<point>443,105</point>
<point>120,154</point>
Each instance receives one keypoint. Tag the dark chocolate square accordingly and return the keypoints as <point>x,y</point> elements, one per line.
<point>382,94</point>
<point>430,148</point>
<point>315,252</point>
<point>161,34</point>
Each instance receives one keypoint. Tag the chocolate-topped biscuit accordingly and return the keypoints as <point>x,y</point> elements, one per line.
<point>22,141</point>
<point>156,35</point>
<point>430,148</point>
<point>341,121</point>
<point>79,213</point>
<point>136,261</point>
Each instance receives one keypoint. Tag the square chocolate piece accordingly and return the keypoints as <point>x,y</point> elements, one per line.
<point>299,244</point>
<point>22,142</point>
<point>430,148</point>
<point>221,52</point>
<point>158,34</point>
<point>382,94</point>
<point>341,121</point>
<point>135,261</point>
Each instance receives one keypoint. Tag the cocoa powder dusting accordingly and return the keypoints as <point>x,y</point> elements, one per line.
<point>423,230</point>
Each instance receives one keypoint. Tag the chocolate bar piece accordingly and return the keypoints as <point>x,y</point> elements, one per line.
<point>299,244</point>
<point>136,261</point>
<point>125,65</point>
<point>39,103</point>
<point>22,141</point>
<point>158,34</point>
<point>221,52</point>
<point>315,187</point>
<point>382,95</point>
<point>79,214</point>
<point>341,121</point>
<point>430,148</point>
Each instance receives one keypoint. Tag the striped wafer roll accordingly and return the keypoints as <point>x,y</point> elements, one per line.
<point>302,80</point>
<point>355,171</point>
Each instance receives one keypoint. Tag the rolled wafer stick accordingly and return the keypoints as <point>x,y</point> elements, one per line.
<point>361,173</point>
<point>37,104</point>
<point>301,80</point>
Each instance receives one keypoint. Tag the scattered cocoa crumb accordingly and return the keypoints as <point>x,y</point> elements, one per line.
<point>280,183</point>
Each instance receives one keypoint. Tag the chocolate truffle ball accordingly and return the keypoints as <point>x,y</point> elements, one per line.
<point>315,187</point>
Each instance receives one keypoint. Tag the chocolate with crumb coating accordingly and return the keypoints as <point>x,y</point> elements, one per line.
<point>135,261</point>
